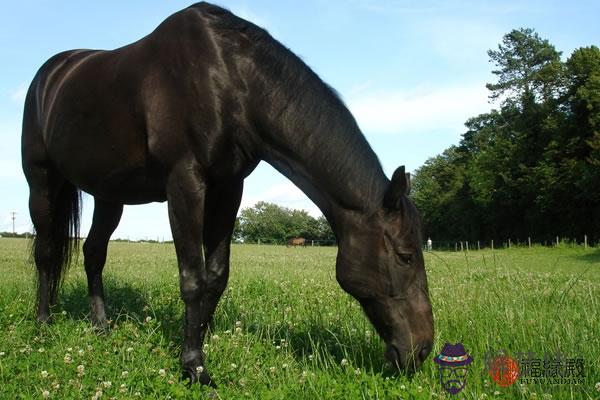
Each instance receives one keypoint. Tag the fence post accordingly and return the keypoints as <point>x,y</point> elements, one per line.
<point>585,242</point>
<point>529,241</point>
<point>557,241</point>
<point>467,242</point>
<point>455,246</point>
<point>492,244</point>
<point>461,246</point>
<point>509,243</point>
<point>478,248</point>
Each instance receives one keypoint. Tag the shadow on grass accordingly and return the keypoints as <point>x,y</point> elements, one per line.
<point>592,256</point>
<point>312,339</point>
<point>327,343</point>
<point>123,302</point>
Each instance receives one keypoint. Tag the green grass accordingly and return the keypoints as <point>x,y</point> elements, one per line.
<point>284,328</point>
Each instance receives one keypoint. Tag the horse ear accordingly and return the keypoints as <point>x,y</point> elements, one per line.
<point>399,186</point>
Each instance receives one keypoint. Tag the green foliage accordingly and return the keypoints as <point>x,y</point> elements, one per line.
<point>284,326</point>
<point>530,168</point>
<point>270,223</point>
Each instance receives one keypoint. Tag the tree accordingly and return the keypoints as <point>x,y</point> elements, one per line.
<point>528,68</point>
<point>532,167</point>
<point>270,223</point>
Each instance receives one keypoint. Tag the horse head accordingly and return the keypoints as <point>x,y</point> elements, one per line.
<point>380,263</point>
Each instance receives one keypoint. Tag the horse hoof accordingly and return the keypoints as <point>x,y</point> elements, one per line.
<point>101,327</point>
<point>202,377</point>
<point>100,324</point>
<point>44,319</point>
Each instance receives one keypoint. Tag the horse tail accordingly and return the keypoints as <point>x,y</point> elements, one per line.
<point>63,239</point>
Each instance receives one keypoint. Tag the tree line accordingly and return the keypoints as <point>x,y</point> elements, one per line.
<point>531,166</point>
<point>270,223</point>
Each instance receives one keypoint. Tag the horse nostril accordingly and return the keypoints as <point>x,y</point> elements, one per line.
<point>424,352</point>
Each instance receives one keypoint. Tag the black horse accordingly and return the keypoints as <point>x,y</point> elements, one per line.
<point>184,115</point>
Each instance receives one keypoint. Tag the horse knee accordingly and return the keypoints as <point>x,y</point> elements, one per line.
<point>217,281</point>
<point>190,287</point>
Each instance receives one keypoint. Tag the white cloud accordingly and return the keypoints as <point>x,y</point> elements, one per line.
<point>404,111</point>
<point>18,95</point>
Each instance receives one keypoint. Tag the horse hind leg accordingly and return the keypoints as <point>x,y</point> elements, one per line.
<point>54,209</point>
<point>105,221</point>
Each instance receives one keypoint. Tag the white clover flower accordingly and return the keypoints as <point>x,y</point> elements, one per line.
<point>344,362</point>
<point>80,370</point>
<point>97,395</point>
<point>162,372</point>
<point>56,386</point>
<point>228,332</point>
<point>41,350</point>
<point>63,312</point>
<point>277,347</point>
<point>284,366</point>
<point>107,384</point>
<point>124,374</point>
<point>272,370</point>
<point>45,394</point>
<point>199,369</point>
<point>148,318</point>
<point>238,323</point>
<point>238,330</point>
<point>44,374</point>
<point>215,337</point>
<point>2,353</point>
<point>357,371</point>
<point>402,387</point>
<point>233,366</point>
<point>597,385</point>
<point>129,349</point>
<point>123,388</point>
<point>69,349</point>
<point>68,359</point>
<point>496,393</point>
<point>80,352</point>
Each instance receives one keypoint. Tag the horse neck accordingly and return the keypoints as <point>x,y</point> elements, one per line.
<point>310,137</point>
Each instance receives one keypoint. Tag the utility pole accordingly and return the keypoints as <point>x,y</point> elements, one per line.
<point>13,216</point>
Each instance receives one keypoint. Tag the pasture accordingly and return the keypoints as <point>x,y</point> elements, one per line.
<point>284,328</point>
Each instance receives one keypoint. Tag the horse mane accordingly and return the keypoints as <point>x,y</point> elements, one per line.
<point>328,116</point>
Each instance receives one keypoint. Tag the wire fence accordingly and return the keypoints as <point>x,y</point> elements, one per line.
<point>474,245</point>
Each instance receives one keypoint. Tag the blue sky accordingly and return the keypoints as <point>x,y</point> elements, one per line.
<point>410,71</point>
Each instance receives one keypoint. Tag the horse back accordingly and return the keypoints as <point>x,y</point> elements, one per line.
<point>118,119</point>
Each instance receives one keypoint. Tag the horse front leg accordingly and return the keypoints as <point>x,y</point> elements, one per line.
<point>186,190</point>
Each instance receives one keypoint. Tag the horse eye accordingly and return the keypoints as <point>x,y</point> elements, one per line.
<point>406,258</point>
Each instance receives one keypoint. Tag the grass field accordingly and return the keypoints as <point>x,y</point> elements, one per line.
<point>284,328</point>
